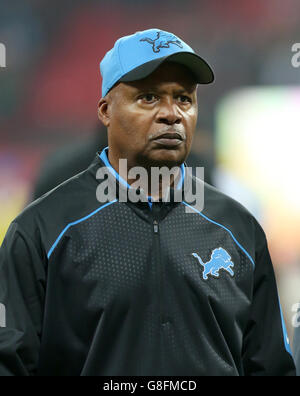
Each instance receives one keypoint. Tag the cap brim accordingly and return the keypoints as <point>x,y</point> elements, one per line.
<point>198,66</point>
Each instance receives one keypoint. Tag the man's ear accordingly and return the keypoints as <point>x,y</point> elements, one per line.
<point>103,112</point>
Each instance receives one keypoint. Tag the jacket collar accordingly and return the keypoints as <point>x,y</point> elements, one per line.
<point>174,194</point>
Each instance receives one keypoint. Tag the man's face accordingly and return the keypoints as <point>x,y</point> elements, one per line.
<point>151,122</point>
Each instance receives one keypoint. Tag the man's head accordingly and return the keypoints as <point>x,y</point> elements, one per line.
<point>151,121</point>
<point>149,102</point>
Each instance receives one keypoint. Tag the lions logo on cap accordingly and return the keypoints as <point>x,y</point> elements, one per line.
<point>163,40</point>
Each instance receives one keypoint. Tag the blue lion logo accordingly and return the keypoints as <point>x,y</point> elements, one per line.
<point>162,40</point>
<point>220,259</point>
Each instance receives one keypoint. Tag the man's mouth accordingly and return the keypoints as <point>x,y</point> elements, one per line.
<point>169,139</point>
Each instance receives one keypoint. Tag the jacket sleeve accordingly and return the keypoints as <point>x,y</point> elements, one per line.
<point>266,350</point>
<point>22,292</point>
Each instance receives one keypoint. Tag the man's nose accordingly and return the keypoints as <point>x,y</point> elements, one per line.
<point>169,113</point>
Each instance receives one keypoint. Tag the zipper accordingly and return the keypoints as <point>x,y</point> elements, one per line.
<point>155,227</point>
<point>161,283</point>
<point>160,269</point>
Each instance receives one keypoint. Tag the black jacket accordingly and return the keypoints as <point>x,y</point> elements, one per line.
<point>89,288</point>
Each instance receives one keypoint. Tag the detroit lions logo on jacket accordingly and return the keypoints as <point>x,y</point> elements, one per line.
<point>220,259</point>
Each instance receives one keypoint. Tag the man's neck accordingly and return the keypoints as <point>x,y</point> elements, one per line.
<point>154,180</point>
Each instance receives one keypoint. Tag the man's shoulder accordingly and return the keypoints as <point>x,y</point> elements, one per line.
<point>229,214</point>
<point>219,203</point>
<point>73,199</point>
<point>64,163</point>
<point>67,193</point>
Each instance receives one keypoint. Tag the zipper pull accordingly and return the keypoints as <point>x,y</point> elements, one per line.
<point>155,226</point>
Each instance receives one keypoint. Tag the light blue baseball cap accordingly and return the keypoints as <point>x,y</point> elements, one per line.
<point>136,56</point>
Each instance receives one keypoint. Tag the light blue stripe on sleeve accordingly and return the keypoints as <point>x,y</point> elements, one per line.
<point>284,331</point>
<point>74,223</point>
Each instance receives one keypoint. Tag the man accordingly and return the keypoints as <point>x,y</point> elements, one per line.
<point>155,286</point>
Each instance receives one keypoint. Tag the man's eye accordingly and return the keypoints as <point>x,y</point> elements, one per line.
<point>148,97</point>
<point>184,99</point>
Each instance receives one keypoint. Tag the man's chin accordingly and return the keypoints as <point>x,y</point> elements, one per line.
<point>165,157</point>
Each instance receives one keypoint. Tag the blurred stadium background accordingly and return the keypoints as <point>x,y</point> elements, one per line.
<point>248,130</point>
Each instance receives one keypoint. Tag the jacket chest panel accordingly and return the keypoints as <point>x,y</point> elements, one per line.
<point>203,265</point>
<point>123,261</point>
